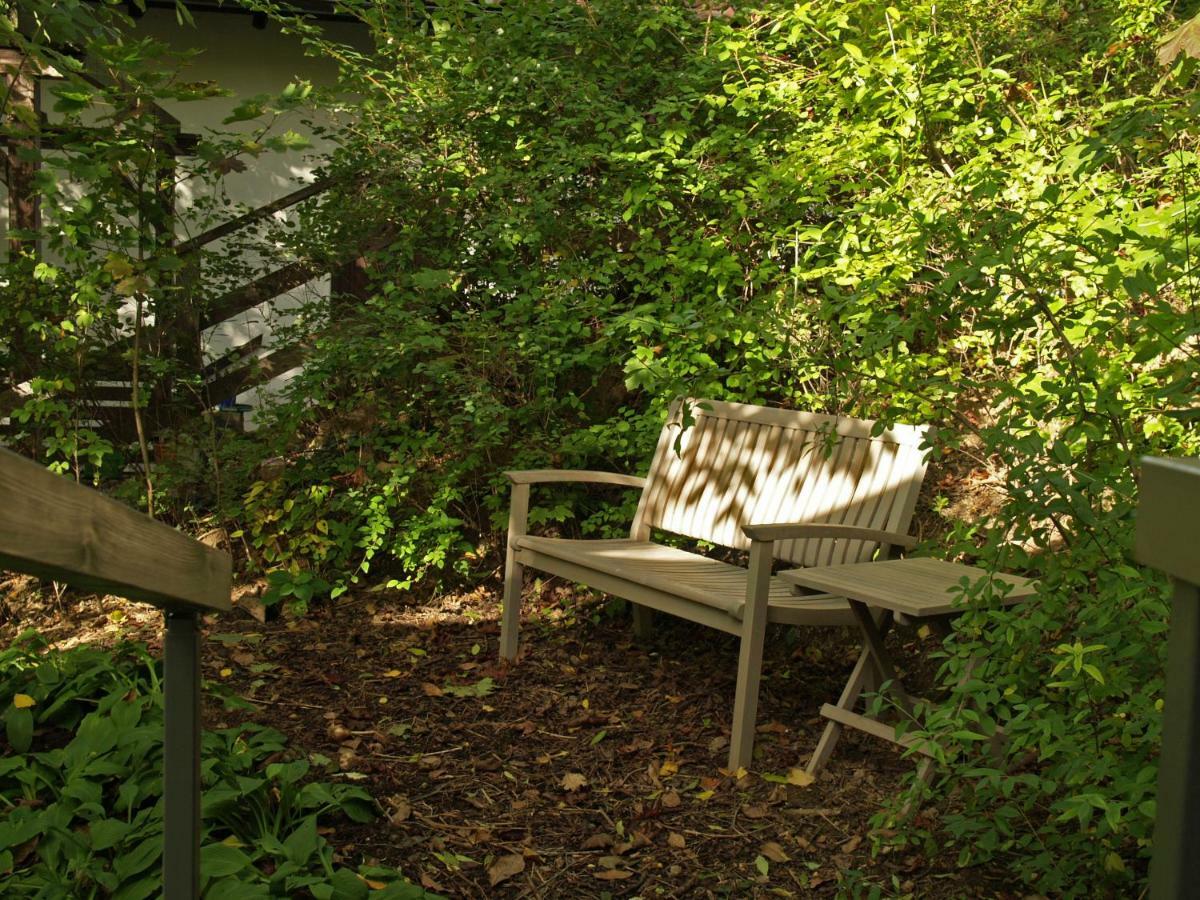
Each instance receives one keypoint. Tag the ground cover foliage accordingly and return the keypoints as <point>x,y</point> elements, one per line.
<point>975,215</point>
<point>81,782</point>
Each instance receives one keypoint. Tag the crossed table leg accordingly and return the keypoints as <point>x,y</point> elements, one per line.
<point>873,660</point>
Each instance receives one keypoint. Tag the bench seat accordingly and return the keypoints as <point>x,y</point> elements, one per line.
<point>624,565</point>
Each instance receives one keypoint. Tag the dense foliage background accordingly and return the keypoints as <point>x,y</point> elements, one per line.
<point>976,215</point>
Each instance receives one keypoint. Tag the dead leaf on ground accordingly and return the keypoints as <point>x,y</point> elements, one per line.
<point>573,781</point>
<point>676,840</point>
<point>400,810</point>
<point>851,845</point>
<point>597,842</point>
<point>431,690</point>
<point>772,851</point>
<point>505,868</point>
<point>671,800</point>
<point>754,811</point>
<point>613,874</point>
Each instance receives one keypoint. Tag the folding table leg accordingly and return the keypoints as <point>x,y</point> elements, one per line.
<point>866,674</point>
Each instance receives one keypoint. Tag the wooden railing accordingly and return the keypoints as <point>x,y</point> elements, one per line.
<point>1168,538</point>
<point>54,528</point>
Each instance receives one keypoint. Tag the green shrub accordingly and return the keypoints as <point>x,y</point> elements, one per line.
<point>974,215</point>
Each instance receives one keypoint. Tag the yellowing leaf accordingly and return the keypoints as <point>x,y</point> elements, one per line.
<point>800,778</point>
<point>670,767</point>
<point>392,673</point>
<point>226,672</point>
<point>23,701</point>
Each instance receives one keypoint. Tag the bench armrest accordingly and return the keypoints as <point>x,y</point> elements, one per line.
<point>542,476</point>
<point>787,531</point>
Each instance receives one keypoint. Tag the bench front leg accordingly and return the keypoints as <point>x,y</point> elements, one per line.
<point>750,656</point>
<point>514,573</point>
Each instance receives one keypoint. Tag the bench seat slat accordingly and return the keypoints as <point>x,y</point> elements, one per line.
<point>715,584</point>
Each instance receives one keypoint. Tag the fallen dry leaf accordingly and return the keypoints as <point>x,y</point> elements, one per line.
<point>754,811</point>
<point>676,840</point>
<point>671,800</point>
<point>613,874</point>
<point>772,851</point>
<point>670,767</point>
<point>431,690</point>
<point>573,781</point>
<point>597,842</point>
<point>505,867</point>
<point>851,845</point>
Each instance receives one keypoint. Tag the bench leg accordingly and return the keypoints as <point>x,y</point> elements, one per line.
<point>510,614</point>
<point>643,621</point>
<point>514,574</point>
<point>750,656</point>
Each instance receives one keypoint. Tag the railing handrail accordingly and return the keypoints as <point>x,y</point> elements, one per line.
<point>54,528</point>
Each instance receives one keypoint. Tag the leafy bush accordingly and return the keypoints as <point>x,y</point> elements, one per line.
<point>82,785</point>
<point>974,215</point>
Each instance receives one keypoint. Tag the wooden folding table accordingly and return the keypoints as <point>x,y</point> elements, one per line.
<point>920,589</point>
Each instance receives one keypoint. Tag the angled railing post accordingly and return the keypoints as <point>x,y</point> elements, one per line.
<point>1168,538</point>
<point>181,756</point>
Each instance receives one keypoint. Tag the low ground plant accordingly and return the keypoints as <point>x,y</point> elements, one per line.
<point>81,789</point>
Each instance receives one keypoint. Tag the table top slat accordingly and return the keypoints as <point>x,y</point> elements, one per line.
<point>916,587</point>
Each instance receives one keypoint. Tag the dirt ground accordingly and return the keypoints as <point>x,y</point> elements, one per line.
<point>592,768</point>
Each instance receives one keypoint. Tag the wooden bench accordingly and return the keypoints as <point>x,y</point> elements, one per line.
<point>807,489</point>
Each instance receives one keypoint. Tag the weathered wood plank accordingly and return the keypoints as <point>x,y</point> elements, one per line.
<point>915,587</point>
<point>1168,515</point>
<point>54,528</point>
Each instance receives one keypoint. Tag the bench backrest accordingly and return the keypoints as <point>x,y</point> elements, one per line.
<point>740,465</point>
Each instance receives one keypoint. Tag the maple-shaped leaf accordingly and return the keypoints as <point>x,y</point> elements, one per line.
<point>1184,39</point>
<point>573,781</point>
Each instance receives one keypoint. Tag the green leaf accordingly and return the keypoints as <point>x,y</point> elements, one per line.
<point>303,842</point>
<point>18,726</point>
<point>348,886</point>
<point>220,860</point>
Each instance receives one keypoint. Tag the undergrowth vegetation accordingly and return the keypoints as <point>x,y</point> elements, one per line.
<point>81,783</point>
<point>975,215</point>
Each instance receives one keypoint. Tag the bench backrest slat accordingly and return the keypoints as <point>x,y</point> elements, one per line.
<point>741,465</point>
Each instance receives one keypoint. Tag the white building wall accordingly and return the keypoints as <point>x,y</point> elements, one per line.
<point>248,61</point>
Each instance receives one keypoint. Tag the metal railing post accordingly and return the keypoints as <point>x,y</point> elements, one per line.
<point>181,756</point>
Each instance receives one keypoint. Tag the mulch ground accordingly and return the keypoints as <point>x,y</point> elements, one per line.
<point>592,768</point>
